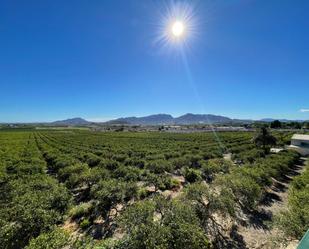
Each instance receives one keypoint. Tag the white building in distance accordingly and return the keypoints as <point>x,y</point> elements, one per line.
<point>300,143</point>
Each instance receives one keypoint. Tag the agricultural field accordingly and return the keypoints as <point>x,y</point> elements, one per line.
<point>83,189</point>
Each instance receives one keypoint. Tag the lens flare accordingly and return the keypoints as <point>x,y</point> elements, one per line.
<point>177,25</point>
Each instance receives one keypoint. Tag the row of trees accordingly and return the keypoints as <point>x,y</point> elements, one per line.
<point>295,220</point>
<point>248,183</point>
<point>31,202</point>
<point>276,124</point>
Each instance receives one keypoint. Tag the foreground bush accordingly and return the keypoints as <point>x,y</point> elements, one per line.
<point>83,209</point>
<point>32,205</point>
<point>61,239</point>
<point>55,239</point>
<point>248,183</point>
<point>162,224</point>
<point>295,221</point>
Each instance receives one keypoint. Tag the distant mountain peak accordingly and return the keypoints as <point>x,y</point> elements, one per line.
<point>71,121</point>
<point>191,118</point>
<point>156,119</point>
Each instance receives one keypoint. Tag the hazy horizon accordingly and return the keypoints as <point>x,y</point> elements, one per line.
<point>105,119</point>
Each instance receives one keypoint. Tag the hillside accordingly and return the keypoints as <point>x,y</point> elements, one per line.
<point>190,118</point>
<point>157,119</point>
<point>161,119</point>
<point>71,122</point>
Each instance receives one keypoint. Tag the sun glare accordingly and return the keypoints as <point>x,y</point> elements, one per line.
<point>178,29</point>
<point>177,26</point>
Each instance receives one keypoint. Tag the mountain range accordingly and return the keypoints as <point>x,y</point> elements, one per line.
<point>161,119</point>
<point>71,122</point>
<point>166,119</point>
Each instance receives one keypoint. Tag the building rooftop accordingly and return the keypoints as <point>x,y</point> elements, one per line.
<point>300,137</point>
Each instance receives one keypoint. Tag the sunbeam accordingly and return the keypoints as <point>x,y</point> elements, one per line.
<point>177,29</point>
<point>191,81</point>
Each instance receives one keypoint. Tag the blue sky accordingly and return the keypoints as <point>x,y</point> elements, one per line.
<point>99,60</point>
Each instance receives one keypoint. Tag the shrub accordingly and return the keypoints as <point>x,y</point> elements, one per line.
<point>159,166</point>
<point>245,190</point>
<point>60,239</point>
<point>177,227</point>
<point>127,173</point>
<point>249,156</point>
<point>94,175</point>
<point>55,239</point>
<point>36,204</point>
<point>110,192</point>
<point>61,162</point>
<point>85,223</point>
<point>192,175</point>
<point>215,166</point>
<point>180,162</point>
<point>109,164</point>
<point>65,173</point>
<point>81,210</point>
<point>294,221</point>
<point>135,162</point>
<point>92,160</point>
<point>174,183</point>
<point>142,193</point>
<point>161,182</point>
<point>195,161</point>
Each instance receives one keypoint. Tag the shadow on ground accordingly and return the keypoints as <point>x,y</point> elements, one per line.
<point>270,198</point>
<point>234,241</point>
<point>259,218</point>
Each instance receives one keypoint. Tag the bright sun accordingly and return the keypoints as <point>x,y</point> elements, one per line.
<point>178,29</point>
